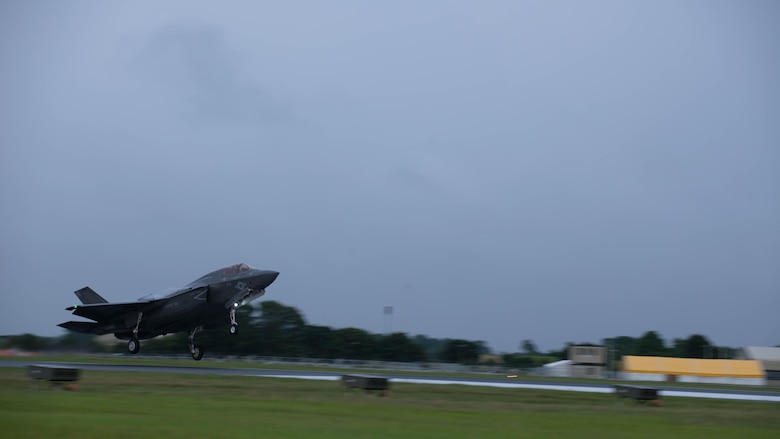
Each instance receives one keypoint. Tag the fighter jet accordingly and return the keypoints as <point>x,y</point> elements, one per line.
<point>208,302</point>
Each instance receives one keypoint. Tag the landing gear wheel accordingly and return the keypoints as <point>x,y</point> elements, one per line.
<point>133,345</point>
<point>197,352</point>
<point>234,329</point>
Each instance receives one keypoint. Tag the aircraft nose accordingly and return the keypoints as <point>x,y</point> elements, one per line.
<point>267,277</point>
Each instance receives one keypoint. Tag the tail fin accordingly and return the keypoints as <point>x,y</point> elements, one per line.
<point>88,296</point>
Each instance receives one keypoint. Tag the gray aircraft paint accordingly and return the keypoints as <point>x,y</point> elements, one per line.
<point>209,301</point>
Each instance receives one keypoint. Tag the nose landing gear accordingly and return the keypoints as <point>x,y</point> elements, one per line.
<point>233,322</point>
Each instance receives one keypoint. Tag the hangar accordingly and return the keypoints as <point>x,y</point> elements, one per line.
<point>693,370</point>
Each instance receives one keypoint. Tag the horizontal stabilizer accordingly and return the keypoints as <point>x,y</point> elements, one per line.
<point>84,327</point>
<point>88,296</point>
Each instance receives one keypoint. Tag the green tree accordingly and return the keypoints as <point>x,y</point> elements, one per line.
<point>561,354</point>
<point>218,340</point>
<point>398,347</point>
<point>316,340</point>
<point>695,346</point>
<point>460,351</point>
<point>482,347</point>
<point>529,347</point>
<point>351,343</point>
<point>431,346</point>
<point>650,343</point>
<point>280,329</point>
<point>74,341</point>
<point>28,342</point>
<point>167,344</point>
<point>519,361</point>
<point>625,345</point>
<point>267,328</point>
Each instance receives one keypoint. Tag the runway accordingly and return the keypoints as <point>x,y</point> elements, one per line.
<point>737,394</point>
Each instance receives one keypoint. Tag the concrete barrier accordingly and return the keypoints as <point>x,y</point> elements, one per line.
<point>55,375</point>
<point>367,383</point>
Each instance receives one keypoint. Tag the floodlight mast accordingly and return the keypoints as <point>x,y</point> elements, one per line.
<point>388,313</point>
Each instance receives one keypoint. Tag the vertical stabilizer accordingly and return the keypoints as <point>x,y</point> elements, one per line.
<point>88,296</point>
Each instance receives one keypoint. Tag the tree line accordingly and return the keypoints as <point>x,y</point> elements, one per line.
<point>274,329</point>
<point>651,344</point>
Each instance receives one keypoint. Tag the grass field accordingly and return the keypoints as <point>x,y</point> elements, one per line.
<point>132,405</point>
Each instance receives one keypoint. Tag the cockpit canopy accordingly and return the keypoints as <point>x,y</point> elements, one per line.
<point>220,275</point>
<point>235,269</point>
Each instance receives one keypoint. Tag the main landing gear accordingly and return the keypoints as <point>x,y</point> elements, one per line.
<point>133,346</point>
<point>196,350</point>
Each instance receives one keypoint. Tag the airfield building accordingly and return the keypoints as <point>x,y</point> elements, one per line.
<point>692,370</point>
<point>588,361</point>
<point>768,357</point>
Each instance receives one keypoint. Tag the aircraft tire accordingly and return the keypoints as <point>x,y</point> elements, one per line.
<point>197,352</point>
<point>133,346</point>
<point>234,329</point>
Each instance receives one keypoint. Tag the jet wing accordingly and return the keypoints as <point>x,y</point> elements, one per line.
<point>109,312</point>
<point>106,312</point>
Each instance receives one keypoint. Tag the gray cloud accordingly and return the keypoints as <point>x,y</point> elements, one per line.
<point>559,172</point>
<point>193,65</point>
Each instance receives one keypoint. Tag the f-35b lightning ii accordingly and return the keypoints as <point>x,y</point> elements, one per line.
<point>208,302</point>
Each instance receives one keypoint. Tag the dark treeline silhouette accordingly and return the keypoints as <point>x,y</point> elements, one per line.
<point>651,343</point>
<point>273,329</point>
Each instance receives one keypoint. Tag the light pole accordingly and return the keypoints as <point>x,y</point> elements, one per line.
<point>388,311</point>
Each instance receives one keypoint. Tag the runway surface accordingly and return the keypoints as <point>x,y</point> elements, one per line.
<point>737,394</point>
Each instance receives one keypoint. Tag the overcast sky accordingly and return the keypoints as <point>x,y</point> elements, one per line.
<point>499,171</point>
